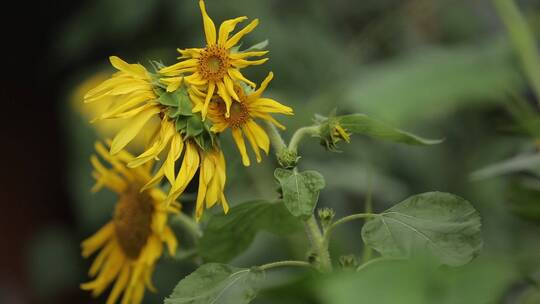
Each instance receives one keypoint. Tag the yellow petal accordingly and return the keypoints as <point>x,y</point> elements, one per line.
<point>222,91</point>
<point>263,86</point>
<point>242,63</point>
<point>267,105</point>
<point>209,27</point>
<point>132,129</point>
<point>170,240</point>
<point>174,153</point>
<point>119,286</point>
<point>134,69</point>
<point>201,194</point>
<point>244,55</point>
<point>173,70</point>
<point>237,75</point>
<point>100,259</point>
<point>224,204</point>
<point>227,27</point>
<point>253,142</point>
<point>230,87</point>
<point>260,135</point>
<point>239,140</point>
<point>236,38</point>
<point>209,95</point>
<point>97,240</point>
<point>189,167</point>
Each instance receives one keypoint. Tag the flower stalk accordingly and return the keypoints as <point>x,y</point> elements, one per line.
<point>318,244</point>
<point>300,134</point>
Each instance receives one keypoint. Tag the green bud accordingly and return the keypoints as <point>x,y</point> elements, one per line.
<point>326,216</point>
<point>287,158</point>
<point>331,131</point>
<point>348,262</point>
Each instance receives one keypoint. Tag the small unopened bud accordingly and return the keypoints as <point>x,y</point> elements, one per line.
<point>288,158</point>
<point>332,132</point>
<point>326,215</point>
<point>348,262</point>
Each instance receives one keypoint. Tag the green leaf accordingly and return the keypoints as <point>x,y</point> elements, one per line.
<point>181,123</point>
<point>195,126</point>
<point>442,225</point>
<point>417,282</point>
<point>168,99</point>
<point>362,124</point>
<point>217,283</point>
<point>261,46</point>
<point>300,190</point>
<point>515,164</point>
<point>228,235</point>
<point>432,83</point>
<point>185,106</point>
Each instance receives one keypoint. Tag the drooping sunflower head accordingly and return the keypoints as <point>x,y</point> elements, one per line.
<point>132,242</point>
<point>211,166</point>
<point>216,67</point>
<point>242,115</point>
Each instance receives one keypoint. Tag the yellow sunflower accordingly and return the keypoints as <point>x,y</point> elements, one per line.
<point>216,67</point>
<point>180,135</point>
<point>132,242</point>
<point>242,117</point>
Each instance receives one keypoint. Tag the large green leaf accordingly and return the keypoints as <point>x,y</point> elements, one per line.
<point>300,190</point>
<point>440,224</point>
<point>526,162</point>
<point>418,282</point>
<point>434,82</point>
<point>362,124</point>
<point>228,235</point>
<point>217,284</point>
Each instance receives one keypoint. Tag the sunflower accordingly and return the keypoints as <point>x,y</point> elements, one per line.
<point>242,117</point>
<point>216,67</point>
<point>132,242</point>
<point>181,135</point>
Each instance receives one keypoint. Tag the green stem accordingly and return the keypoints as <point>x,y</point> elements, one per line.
<point>285,264</point>
<point>190,226</point>
<point>317,243</point>
<point>344,220</point>
<point>375,261</point>
<point>523,40</point>
<point>300,134</point>
<point>367,252</point>
<point>275,138</point>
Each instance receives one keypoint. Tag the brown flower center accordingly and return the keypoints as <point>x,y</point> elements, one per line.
<point>239,113</point>
<point>132,221</point>
<point>213,63</point>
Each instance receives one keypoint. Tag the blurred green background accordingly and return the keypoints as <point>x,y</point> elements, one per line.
<point>439,68</point>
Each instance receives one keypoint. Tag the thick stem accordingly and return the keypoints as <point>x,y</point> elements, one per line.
<point>285,264</point>
<point>523,40</point>
<point>317,243</point>
<point>275,138</point>
<point>300,134</point>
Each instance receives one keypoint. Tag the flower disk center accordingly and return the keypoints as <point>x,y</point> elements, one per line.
<point>239,114</point>
<point>132,221</point>
<point>213,63</point>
